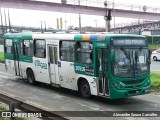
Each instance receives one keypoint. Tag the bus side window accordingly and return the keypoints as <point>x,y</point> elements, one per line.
<point>84,52</point>
<point>40,48</point>
<point>8,46</point>
<point>67,51</point>
<point>27,47</point>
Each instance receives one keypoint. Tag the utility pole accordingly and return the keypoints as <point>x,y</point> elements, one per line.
<point>114,15</point>
<point>9,21</point>
<point>65,24</point>
<point>41,27</point>
<point>45,29</point>
<point>1,21</point>
<point>5,20</point>
<point>108,17</point>
<point>96,22</point>
<point>80,30</point>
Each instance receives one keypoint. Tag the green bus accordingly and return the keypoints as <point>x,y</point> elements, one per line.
<point>108,65</point>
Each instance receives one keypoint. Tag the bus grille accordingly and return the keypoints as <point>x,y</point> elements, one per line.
<point>133,81</point>
<point>136,86</point>
<point>134,91</point>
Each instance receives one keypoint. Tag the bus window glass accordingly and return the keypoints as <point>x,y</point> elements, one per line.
<point>8,46</point>
<point>67,51</point>
<point>127,59</point>
<point>40,48</point>
<point>51,55</point>
<point>55,55</point>
<point>84,52</point>
<point>27,47</point>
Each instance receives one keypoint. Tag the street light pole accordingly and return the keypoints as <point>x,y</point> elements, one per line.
<point>44,26</point>
<point>108,17</point>
<point>5,20</point>
<point>65,24</point>
<point>9,21</point>
<point>79,19</point>
<point>41,27</point>
<point>1,21</point>
<point>114,15</point>
<point>96,22</point>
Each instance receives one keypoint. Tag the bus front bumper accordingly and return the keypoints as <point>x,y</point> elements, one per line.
<point>117,93</point>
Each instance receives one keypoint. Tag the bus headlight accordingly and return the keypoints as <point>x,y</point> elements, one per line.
<point>118,85</point>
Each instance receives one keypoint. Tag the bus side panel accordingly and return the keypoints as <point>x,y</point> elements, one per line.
<point>92,83</point>
<point>41,69</point>
<point>67,76</point>
<point>26,62</point>
<point>9,63</point>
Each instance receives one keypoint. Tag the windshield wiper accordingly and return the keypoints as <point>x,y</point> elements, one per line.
<point>127,54</point>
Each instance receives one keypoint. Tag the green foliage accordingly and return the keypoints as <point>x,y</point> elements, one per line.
<point>154,46</point>
<point>155,81</point>
<point>2,57</point>
<point>2,108</point>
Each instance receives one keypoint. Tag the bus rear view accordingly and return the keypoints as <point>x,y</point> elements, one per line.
<point>129,66</point>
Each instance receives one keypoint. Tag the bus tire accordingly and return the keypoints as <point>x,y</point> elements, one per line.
<point>30,77</point>
<point>85,89</point>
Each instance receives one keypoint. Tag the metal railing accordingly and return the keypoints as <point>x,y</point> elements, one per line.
<point>17,103</point>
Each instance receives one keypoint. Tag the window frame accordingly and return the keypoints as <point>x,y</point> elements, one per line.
<point>82,52</point>
<point>34,44</point>
<point>11,47</point>
<point>22,47</point>
<point>70,51</point>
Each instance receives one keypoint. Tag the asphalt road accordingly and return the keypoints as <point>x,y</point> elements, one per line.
<point>155,66</point>
<point>1,48</point>
<point>67,100</point>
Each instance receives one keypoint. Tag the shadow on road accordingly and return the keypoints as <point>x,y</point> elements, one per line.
<point>74,94</point>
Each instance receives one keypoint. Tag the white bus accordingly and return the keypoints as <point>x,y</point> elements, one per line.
<point>89,63</point>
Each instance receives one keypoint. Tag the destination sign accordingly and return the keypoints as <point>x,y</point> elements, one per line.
<point>129,41</point>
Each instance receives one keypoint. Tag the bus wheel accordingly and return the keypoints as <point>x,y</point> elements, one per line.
<point>85,89</point>
<point>30,77</point>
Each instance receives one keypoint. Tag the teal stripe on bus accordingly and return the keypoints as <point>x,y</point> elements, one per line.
<point>26,59</point>
<point>8,56</point>
<point>17,35</point>
<point>78,37</point>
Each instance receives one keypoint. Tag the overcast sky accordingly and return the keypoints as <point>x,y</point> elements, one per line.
<point>32,18</point>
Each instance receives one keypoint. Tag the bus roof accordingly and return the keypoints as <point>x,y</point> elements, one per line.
<point>78,37</point>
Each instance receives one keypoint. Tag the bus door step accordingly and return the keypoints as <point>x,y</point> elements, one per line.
<point>55,85</point>
<point>105,96</point>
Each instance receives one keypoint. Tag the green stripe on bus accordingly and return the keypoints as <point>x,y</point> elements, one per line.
<point>9,56</point>
<point>16,35</point>
<point>78,37</point>
<point>26,59</point>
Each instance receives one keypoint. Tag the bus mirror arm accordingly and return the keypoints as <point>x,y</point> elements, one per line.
<point>149,59</point>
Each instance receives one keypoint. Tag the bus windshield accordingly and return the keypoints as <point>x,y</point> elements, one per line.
<point>131,62</point>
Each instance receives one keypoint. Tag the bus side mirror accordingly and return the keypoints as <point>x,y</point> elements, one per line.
<point>149,51</point>
<point>112,56</point>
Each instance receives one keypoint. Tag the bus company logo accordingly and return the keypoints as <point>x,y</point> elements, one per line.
<point>40,64</point>
<point>80,68</point>
<point>101,44</point>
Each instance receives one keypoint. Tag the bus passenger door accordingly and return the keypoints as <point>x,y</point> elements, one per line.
<point>16,58</point>
<point>53,64</point>
<point>102,71</point>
